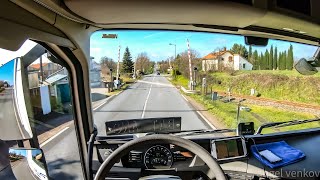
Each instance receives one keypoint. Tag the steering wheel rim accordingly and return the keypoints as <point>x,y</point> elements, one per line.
<point>161,139</point>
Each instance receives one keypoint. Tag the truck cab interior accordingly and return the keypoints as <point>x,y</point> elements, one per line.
<point>129,135</point>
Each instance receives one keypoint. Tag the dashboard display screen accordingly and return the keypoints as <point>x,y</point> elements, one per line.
<point>168,124</point>
<point>228,148</point>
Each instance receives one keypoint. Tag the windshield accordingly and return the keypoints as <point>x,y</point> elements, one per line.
<point>146,81</point>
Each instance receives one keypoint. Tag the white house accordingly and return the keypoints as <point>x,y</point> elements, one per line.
<point>224,60</point>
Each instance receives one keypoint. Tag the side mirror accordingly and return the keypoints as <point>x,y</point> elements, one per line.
<point>306,67</point>
<point>14,121</point>
<point>28,164</point>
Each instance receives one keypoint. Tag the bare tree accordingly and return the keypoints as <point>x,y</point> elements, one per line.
<point>181,63</point>
<point>143,63</point>
<point>106,64</point>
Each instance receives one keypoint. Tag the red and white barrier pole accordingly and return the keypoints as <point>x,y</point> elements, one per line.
<point>190,66</point>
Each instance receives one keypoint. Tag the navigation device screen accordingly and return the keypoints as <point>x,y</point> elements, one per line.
<point>228,148</point>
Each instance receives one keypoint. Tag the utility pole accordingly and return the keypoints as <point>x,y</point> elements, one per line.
<point>134,69</point>
<point>190,67</point>
<point>41,70</point>
<point>175,53</point>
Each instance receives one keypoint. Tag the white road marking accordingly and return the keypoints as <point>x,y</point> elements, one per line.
<point>184,98</point>
<point>145,103</point>
<point>207,121</point>
<point>156,83</point>
<point>56,135</point>
<point>105,101</point>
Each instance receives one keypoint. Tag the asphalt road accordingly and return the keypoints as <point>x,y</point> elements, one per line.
<point>22,170</point>
<point>153,96</point>
<point>8,121</point>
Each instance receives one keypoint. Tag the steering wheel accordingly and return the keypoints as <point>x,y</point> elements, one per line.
<point>215,171</point>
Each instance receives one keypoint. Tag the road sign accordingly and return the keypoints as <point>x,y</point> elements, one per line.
<point>110,36</point>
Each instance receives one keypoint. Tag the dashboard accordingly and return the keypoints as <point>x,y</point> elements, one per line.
<point>232,153</point>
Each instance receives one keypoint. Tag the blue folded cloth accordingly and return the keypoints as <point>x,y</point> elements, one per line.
<point>281,149</point>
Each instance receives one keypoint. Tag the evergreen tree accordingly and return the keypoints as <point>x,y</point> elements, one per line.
<point>255,58</point>
<point>239,49</point>
<point>289,64</point>
<point>284,60</point>
<point>281,62</point>
<point>266,59</point>
<point>127,64</point>
<point>250,54</point>
<point>275,59</point>
<point>271,59</point>
<point>261,62</point>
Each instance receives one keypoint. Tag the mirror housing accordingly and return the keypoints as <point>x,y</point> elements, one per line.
<point>307,67</point>
<point>256,41</point>
<point>28,163</point>
<point>14,120</point>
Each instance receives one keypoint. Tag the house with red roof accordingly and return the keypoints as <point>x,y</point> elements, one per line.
<point>225,60</point>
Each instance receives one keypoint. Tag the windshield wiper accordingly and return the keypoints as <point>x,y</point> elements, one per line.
<point>205,131</point>
<point>285,123</point>
<point>193,132</point>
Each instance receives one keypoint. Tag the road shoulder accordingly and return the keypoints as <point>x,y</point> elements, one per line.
<point>204,112</point>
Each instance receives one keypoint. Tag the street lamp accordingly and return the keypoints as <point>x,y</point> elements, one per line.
<point>175,52</point>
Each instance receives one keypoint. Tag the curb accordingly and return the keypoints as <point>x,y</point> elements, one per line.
<point>110,98</point>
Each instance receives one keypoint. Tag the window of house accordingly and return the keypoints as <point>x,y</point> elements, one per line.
<point>243,66</point>
<point>230,58</point>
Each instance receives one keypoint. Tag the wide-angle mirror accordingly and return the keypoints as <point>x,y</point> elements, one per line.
<point>28,164</point>
<point>14,121</point>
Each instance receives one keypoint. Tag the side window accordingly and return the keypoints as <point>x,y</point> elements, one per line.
<point>243,66</point>
<point>50,112</point>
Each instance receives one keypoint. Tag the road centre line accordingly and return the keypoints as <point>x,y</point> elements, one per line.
<point>145,103</point>
<point>56,135</point>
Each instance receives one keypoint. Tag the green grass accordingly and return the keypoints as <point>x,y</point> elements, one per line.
<point>180,81</point>
<point>289,73</point>
<point>226,112</point>
<point>278,85</point>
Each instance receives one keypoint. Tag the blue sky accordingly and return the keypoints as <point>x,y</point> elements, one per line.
<point>6,72</point>
<point>156,43</point>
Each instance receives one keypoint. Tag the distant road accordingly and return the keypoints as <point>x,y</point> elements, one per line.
<point>153,96</point>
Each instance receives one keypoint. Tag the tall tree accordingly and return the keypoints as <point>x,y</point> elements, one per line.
<point>266,56</point>
<point>250,54</point>
<point>143,63</point>
<point>289,64</point>
<point>281,62</point>
<point>275,58</point>
<point>255,59</point>
<point>271,58</point>
<point>261,61</point>
<point>284,60</point>
<point>181,63</point>
<point>106,64</point>
<point>239,49</point>
<point>127,64</point>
